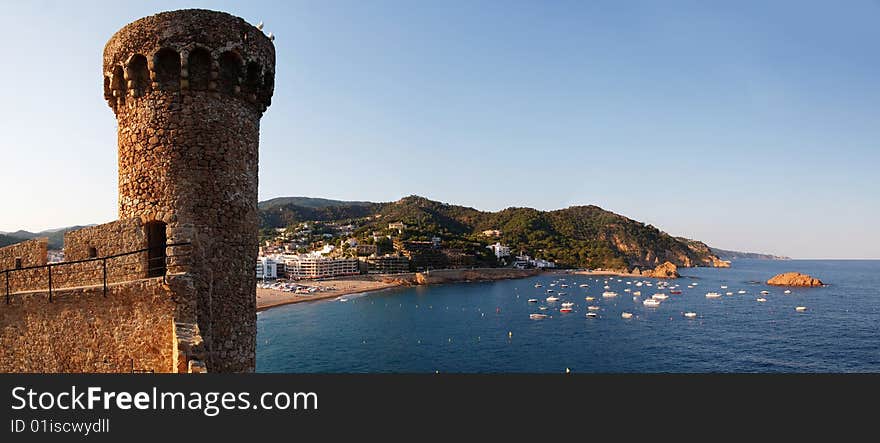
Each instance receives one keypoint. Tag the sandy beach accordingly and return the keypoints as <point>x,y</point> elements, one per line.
<point>268,298</point>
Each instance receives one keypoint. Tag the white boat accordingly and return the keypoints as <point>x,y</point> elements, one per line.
<point>609,294</point>
<point>564,310</point>
<point>563,286</point>
<point>537,316</point>
<point>549,291</point>
<point>765,292</point>
<point>659,296</point>
<point>552,298</point>
<point>533,300</point>
<point>552,284</point>
<point>589,298</point>
<point>712,295</point>
<point>637,293</point>
<point>607,287</point>
<point>800,308</point>
<point>592,315</point>
<point>567,304</point>
<point>627,290</point>
<point>585,285</point>
<point>639,284</point>
<point>652,303</point>
<point>543,308</point>
<point>741,291</point>
<point>626,315</point>
<point>728,293</point>
<point>694,284</point>
<point>787,291</point>
<point>538,285</point>
<point>690,314</point>
<point>723,287</point>
<point>593,308</point>
<point>762,299</point>
<point>343,299</point>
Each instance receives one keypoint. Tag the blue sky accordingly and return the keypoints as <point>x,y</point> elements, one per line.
<point>748,125</point>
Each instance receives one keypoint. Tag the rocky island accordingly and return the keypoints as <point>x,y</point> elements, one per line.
<point>794,279</point>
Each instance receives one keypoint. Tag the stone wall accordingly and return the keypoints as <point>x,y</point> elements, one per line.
<point>31,253</point>
<point>83,331</point>
<point>118,237</point>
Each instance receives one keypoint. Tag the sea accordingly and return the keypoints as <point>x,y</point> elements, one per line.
<point>485,327</point>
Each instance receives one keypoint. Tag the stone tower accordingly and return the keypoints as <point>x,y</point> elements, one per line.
<point>188,89</point>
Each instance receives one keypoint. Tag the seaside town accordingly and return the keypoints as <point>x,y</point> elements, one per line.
<point>338,253</point>
<point>323,259</point>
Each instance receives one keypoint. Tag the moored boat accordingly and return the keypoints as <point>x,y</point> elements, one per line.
<point>552,298</point>
<point>626,315</point>
<point>712,295</point>
<point>609,294</point>
<point>533,300</point>
<point>651,303</point>
<point>690,314</point>
<point>537,316</point>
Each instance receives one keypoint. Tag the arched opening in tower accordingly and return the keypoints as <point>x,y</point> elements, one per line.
<point>199,67</point>
<point>139,74</point>
<point>167,66</point>
<point>254,78</point>
<point>156,245</point>
<point>231,70</point>
<point>117,82</point>
<point>268,87</point>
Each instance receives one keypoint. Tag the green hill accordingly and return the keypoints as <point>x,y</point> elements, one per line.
<point>579,236</point>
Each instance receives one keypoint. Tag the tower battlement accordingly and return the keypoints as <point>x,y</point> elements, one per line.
<point>187,51</point>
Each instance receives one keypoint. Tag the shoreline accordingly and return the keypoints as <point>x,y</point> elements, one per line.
<point>358,284</point>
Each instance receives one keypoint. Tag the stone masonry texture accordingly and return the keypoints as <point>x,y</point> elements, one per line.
<point>81,330</point>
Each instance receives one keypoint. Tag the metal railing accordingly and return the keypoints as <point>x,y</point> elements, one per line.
<point>153,264</point>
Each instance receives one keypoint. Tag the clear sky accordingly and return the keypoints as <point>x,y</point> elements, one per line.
<point>750,125</point>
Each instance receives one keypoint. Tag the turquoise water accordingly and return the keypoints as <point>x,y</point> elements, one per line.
<point>464,327</point>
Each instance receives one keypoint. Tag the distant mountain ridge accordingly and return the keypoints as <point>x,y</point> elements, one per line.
<point>735,255</point>
<point>308,202</point>
<point>56,236</point>
<point>578,236</point>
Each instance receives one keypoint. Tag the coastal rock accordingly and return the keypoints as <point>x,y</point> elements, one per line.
<point>794,279</point>
<point>665,270</point>
<point>719,263</point>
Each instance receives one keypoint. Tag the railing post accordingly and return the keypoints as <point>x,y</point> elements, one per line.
<point>105,276</point>
<point>50,283</point>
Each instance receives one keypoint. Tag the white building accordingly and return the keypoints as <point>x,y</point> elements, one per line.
<point>500,250</point>
<point>313,266</point>
<point>267,268</point>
